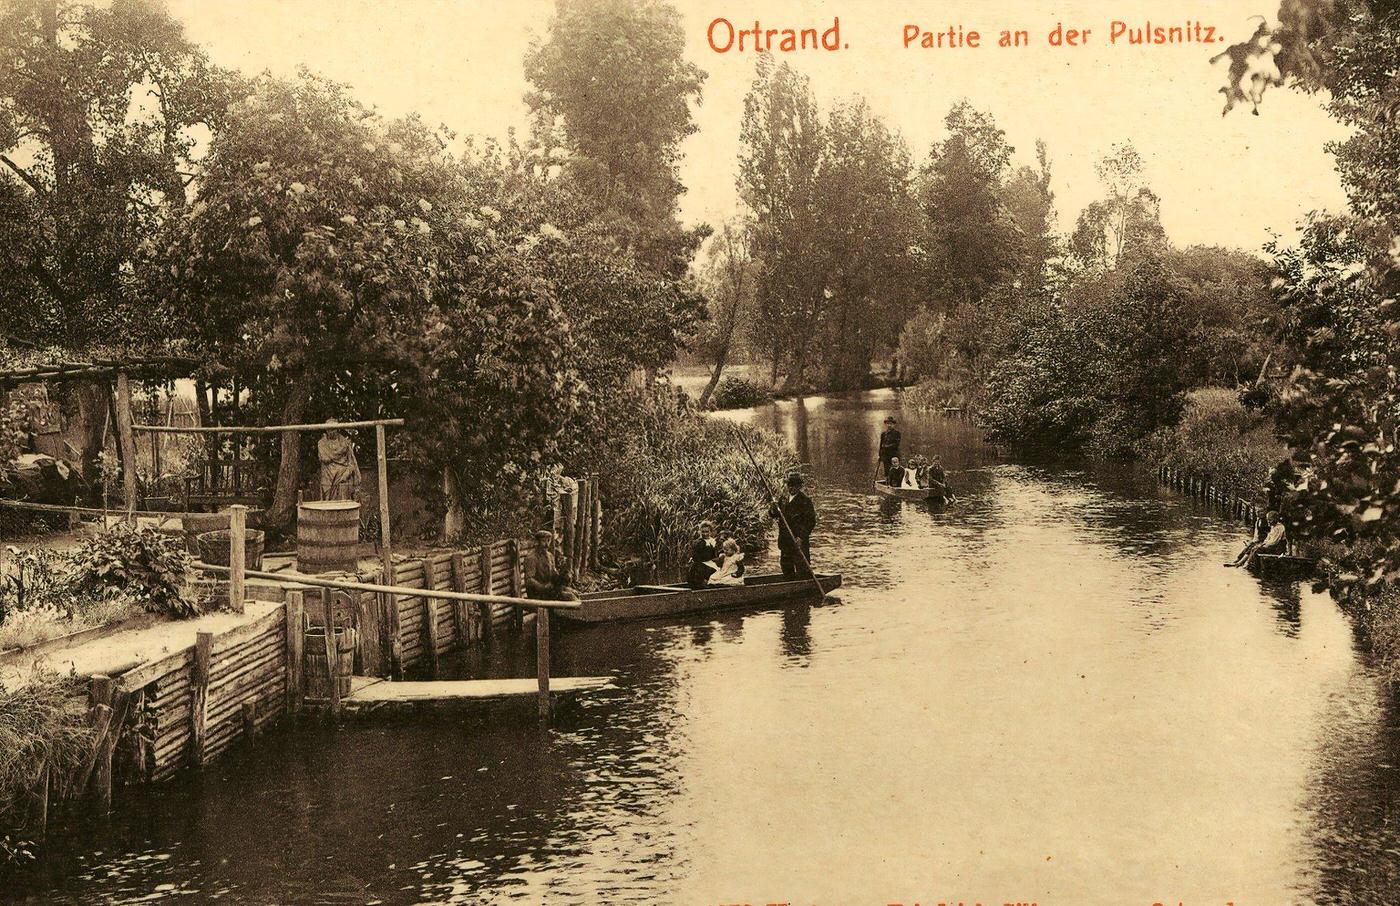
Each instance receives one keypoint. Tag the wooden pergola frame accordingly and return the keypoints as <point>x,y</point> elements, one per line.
<point>380,456</point>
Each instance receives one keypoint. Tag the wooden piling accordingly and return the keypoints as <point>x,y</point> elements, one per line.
<point>596,534</point>
<point>126,444</point>
<point>570,501</point>
<point>296,640</point>
<point>461,614</point>
<point>237,556</point>
<point>488,587</point>
<point>249,711</point>
<point>542,662</point>
<point>430,624</point>
<point>517,614</point>
<point>388,606</point>
<point>328,611</point>
<point>199,694</point>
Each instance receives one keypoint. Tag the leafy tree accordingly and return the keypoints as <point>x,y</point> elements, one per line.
<point>100,109</point>
<point>1340,411</point>
<point>612,79</point>
<point>1128,219</point>
<point>973,240</point>
<point>1031,203</point>
<point>870,223</point>
<point>782,141</point>
<point>1099,373</point>
<point>623,317</point>
<point>337,264</point>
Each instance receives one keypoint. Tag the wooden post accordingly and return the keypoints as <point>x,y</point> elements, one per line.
<point>517,613</point>
<point>430,624</point>
<point>296,640</point>
<point>570,519</point>
<point>386,555</point>
<point>542,661</point>
<point>328,611</point>
<point>488,587</point>
<point>237,555</point>
<point>597,532</point>
<point>106,745</point>
<point>250,720</point>
<point>126,444</point>
<point>199,694</point>
<point>461,621</point>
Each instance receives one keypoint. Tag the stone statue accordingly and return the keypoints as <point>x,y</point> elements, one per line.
<point>340,473</point>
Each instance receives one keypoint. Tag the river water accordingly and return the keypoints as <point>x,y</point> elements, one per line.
<point>1049,691</point>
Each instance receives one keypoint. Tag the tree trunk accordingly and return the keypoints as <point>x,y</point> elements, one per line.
<point>454,521</point>
<point>281,513</point>
<point>720,361</point>
<point>87,406</point>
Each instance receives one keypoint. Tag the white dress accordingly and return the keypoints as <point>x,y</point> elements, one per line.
<point>729,571</point>
<point>911,478</point>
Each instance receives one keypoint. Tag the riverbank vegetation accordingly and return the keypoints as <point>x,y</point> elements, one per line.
<point>318,259</point>
<point>108,577</point>
<point>43,730</point>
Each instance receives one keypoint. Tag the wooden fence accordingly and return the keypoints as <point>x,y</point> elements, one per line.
<point>578,524</point>
<point>1226,501</point>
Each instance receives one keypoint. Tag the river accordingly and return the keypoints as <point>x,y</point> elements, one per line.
<point>1049,691</point>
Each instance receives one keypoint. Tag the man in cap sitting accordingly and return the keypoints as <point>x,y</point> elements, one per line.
<point>547,571</point>
<point>796,518</point>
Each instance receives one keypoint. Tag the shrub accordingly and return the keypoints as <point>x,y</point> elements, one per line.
<point>42,723</point>
<point>736,392</point>
<point>1220,439</point>
<point>142,565</point>
<point>680,468</point>
<point>107,578</point>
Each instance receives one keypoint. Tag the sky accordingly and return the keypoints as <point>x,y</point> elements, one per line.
<point>1234,180</point>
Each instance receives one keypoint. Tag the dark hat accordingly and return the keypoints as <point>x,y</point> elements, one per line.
<point>794,479</point>
<point>889,419</point>
<point>543,533</point>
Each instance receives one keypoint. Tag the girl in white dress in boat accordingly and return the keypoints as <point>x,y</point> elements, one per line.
<point>731,569</point>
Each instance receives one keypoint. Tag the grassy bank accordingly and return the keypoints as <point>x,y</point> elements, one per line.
<point>1217,438</point>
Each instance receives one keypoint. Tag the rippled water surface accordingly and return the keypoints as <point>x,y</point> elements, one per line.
<point>1047,691</point>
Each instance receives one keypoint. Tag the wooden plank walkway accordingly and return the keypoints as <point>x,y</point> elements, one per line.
<point>370,694</point>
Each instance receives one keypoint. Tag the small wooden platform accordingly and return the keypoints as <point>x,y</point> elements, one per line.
<point>371,694</point>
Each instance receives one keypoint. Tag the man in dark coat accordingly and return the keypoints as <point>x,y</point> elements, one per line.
<point>889,445</point>
<point>798,518</point>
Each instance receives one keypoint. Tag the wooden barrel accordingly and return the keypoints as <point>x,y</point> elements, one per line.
<point>314,663</point>
<point>328,534</point>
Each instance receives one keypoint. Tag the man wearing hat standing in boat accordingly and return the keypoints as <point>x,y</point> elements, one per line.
<point>546,571</point>
<point>889,445</point>
<point>796,518</point>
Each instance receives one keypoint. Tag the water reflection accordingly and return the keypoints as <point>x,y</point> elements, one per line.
<point>1047,690</point>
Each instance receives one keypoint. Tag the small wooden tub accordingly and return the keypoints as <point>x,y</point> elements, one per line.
<point>214,548</point>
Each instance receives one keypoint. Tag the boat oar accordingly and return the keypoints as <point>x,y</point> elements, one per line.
<point>773,501</point>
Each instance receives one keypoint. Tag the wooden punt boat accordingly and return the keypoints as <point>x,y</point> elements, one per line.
<point>934,494</point>
<point>645,601</point>
<point>1284,565</point>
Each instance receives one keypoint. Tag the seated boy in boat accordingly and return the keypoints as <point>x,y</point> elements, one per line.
<point>1275,541</point>
<point>731,565</point>
<point>895,475</point>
